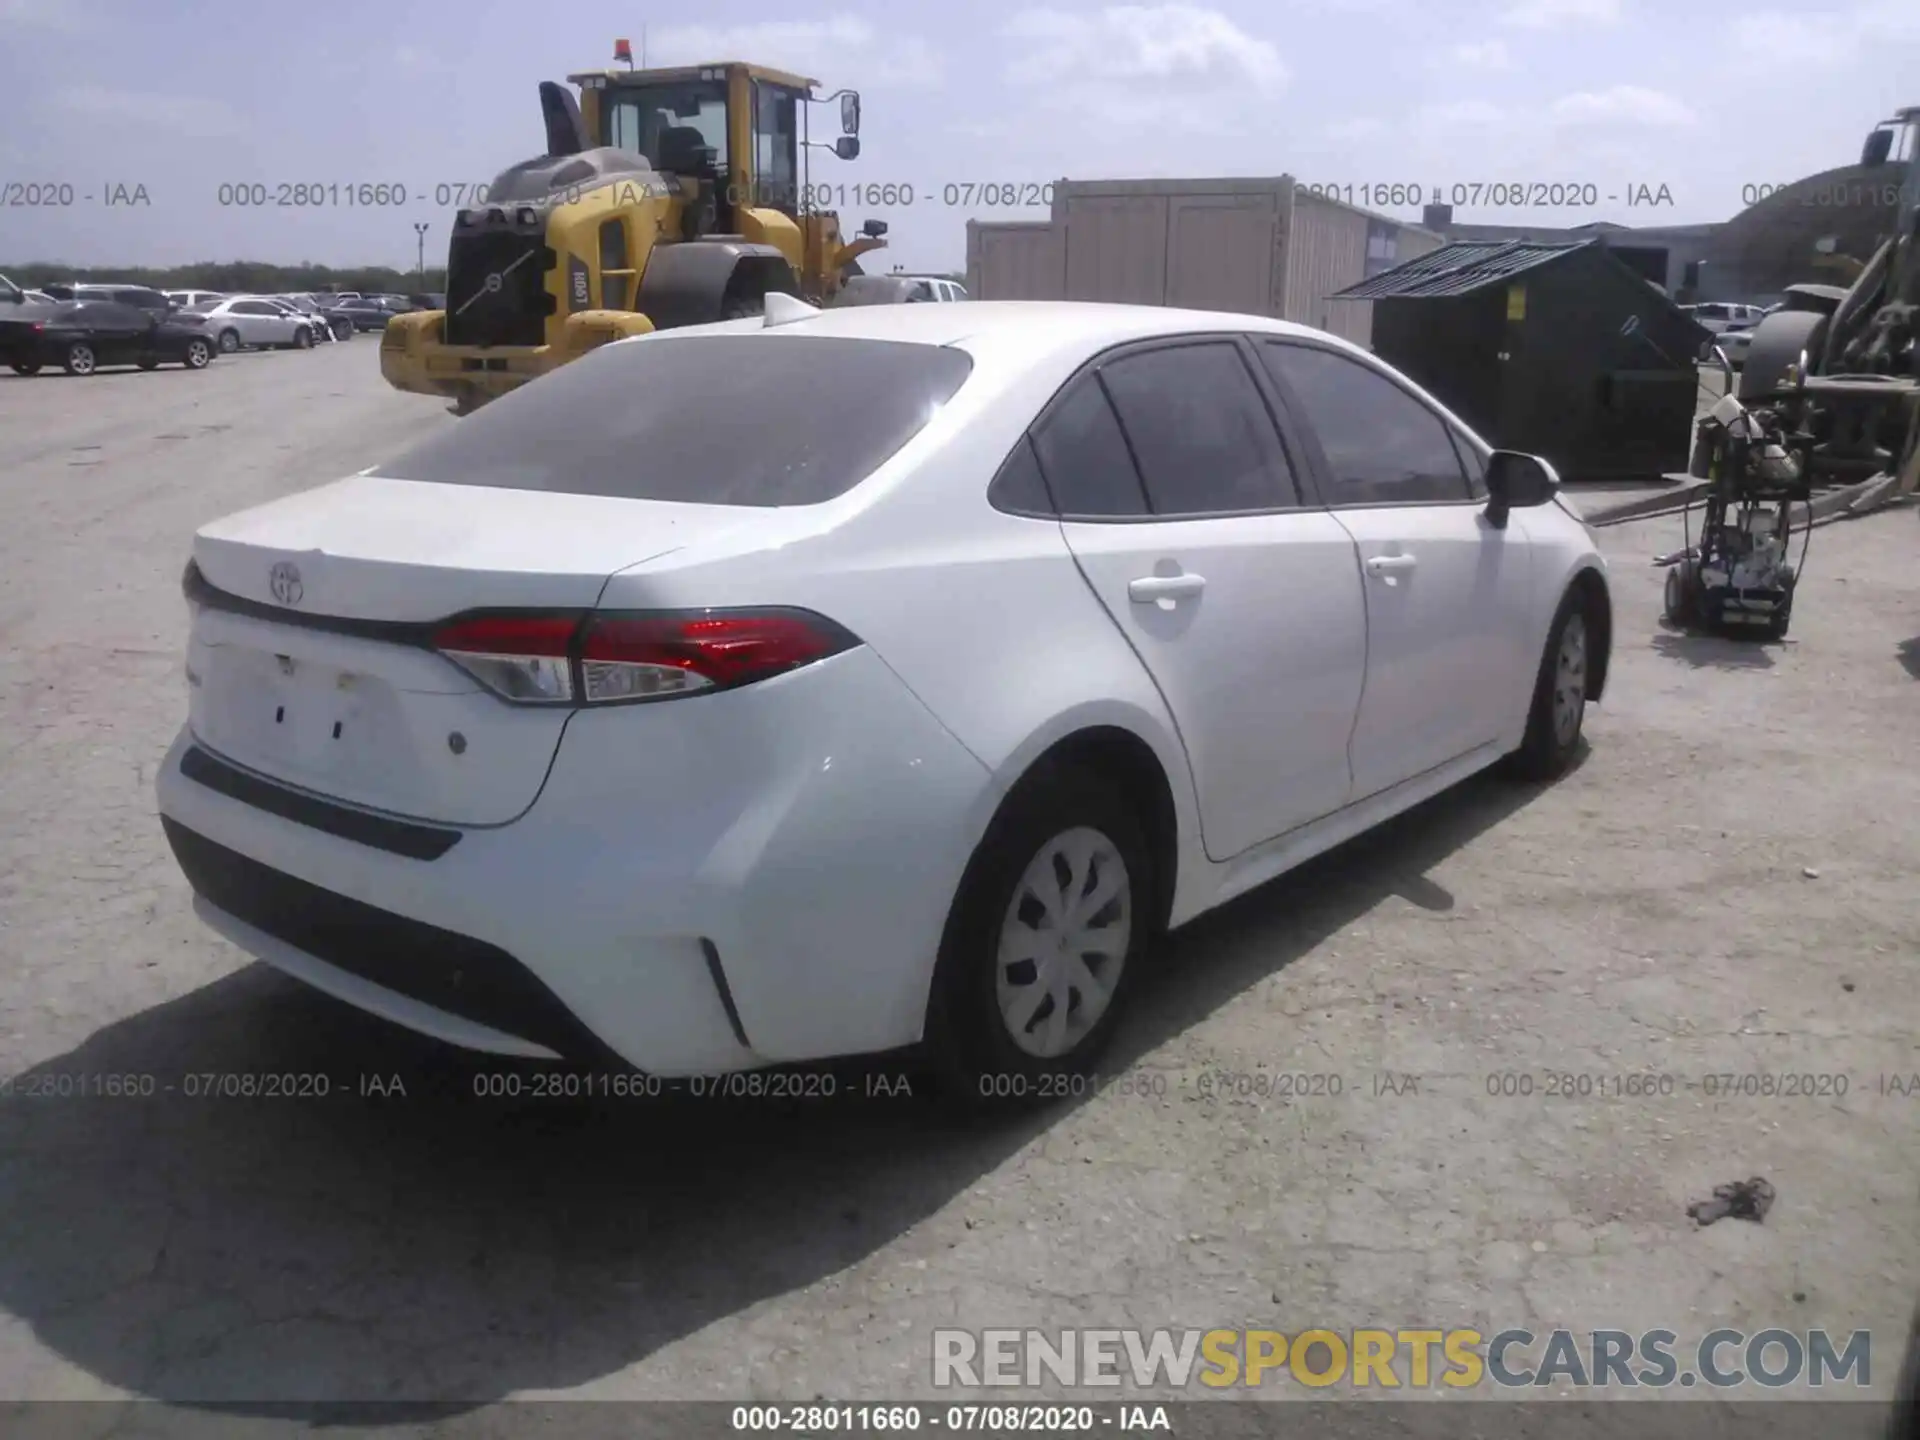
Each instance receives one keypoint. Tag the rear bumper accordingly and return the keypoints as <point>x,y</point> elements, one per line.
<point>765,885</point>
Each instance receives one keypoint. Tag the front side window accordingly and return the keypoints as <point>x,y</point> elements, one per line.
<point>1382,446</point>
<point>667,123</point>
<point>658,419</point>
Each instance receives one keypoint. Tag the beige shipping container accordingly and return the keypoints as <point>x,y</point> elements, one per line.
<point>1015,260</point>
<point>1254,246</point>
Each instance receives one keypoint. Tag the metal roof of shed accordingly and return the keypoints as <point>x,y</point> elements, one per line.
<point>1461,268</point>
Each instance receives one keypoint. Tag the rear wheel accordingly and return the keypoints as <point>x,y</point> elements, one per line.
<point>302,338</point>
<point>1043,945</point>
<point>198,356</point>
<point>1559,699</point>
<point>1679,594</point>
<point>229,341</point>
<point>80,359</point>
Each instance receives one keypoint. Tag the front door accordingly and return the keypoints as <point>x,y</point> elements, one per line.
<point>1448,596</point>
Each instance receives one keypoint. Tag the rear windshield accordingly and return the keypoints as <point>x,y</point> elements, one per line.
<point>713,420</point>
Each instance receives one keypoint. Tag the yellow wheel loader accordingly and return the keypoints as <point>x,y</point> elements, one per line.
<point>665,198</point>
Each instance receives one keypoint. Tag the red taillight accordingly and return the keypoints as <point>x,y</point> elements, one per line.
<point>518,657</point>
<point>609,658</point>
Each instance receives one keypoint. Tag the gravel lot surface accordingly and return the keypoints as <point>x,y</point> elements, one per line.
<point>1726,887</point>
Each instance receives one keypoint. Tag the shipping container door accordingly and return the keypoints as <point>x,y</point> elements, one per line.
<point>1222,252</point>
<point>1117,248</point>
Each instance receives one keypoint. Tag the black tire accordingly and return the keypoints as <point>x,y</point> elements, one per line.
<point>198,355</point>
<point>229,341</point>
<point>1559,691</point>
<point>1679,594</point>
<point>970,1046</point>
<point>26,367</point>
<point>80,359</point>
<point>743,307</point>
<point>147,362</point>
<point>302,338</point>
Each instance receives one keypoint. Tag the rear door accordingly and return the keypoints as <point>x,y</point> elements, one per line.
<point>1241,599</point>
<point>118,333</point>
<point>1448,596</point>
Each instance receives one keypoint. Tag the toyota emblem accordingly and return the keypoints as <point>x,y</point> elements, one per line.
<point>284,579</point>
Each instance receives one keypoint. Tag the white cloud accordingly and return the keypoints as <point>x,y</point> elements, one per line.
<point>1622,105</point>
<point>842,49</point>
<point>1460,115</point>
<point>195,116</point>
<point>1364,127</point>
<point>1173,45</point>
<point>1553,14</point>
<point>1481,55</point>
<point>62,16</point>
<point>1783,39</point>
<point>1133,66</point>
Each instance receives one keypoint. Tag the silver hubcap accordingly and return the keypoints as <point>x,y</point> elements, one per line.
<point>1064,942</point>
<point>229,341</point>
<point>197,353</point>
<point>1570,680</point>
<point>82,360</point>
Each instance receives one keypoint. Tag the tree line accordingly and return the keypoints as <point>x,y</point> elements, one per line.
<point>238,277</point>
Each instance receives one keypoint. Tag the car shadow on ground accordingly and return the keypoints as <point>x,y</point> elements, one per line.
<point>1909,653</point>
<point>256,1255</point>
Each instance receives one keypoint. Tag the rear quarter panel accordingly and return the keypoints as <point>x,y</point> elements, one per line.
<point>983,615</point>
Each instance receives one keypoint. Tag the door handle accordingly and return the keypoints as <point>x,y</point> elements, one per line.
<point>1151,588</point>
<point>1390,564</point>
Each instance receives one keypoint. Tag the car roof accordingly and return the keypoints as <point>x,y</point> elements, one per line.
<point>1047,324</point>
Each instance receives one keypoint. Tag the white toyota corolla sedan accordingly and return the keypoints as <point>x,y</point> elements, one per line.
<point>821,684</point>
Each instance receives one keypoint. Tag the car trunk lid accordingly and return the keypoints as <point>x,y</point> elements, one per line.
<point>311,659</point>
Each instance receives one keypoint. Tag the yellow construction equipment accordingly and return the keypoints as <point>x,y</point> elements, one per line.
<point>666,197</point>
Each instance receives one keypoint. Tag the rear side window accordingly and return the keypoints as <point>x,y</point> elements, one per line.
<point>1200,431</point>
<point>762,420</point>
<point>1382,446</point>
<point>1085,458</point>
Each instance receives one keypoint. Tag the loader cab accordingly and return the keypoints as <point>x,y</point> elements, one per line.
<point>738,128</point>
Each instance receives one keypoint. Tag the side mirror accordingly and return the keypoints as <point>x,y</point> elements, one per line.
<point>847,147</point>
<point>1517,481</point>
<point>850,112</point>
<point>1878,147</point>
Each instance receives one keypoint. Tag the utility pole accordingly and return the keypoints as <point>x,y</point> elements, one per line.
<point>420,228</point>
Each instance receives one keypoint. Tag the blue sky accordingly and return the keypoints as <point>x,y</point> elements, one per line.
<point>1705,99</point>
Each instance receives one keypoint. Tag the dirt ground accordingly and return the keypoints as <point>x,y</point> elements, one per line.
<point>1726,887</point>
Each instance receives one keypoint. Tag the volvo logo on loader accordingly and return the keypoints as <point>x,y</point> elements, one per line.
<point>284,581</point>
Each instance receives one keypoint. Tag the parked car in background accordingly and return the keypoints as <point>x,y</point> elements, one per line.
<point>339,326</point>
<point>936,288</point>
<point>367,314</point>
<point>1734,344</point>
<point>319,328</point>
<point>1717,316</point>
<point>255,321</point>
<point>186,299</point>
<point>81,336</point>
<point>721,761</point>
<point>427,302</point>
<point>144,297</point>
